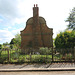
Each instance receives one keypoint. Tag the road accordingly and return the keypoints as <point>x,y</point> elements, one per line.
<point>40,73</point>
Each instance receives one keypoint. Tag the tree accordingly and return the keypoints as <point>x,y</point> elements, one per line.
<point>17,40</point>
<point>0,49</point>
<point>0,46</point>
<point>6,43</point>
<point>65,39</point>
<point>71,19</point>
<point>13,41</point>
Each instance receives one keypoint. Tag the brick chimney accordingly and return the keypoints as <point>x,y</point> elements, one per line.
<point>35,15</point>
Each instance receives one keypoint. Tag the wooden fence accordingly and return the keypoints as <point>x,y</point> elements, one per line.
<point>44,55</point>
<point>64,55</point>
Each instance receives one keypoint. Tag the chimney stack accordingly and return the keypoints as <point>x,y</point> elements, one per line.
<point>35,15</point>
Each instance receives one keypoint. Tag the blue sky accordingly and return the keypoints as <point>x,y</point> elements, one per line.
<point>14,14</point>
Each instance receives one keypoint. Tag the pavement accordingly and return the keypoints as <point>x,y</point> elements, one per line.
<point>37,67</point>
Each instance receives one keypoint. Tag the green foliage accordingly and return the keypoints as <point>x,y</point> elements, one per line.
<point>65,39</point>
<point>0,49</point>
<point>71,19</point>
<point>39,59</point>
<point>53,42</point>
<point>13,41</point>
<point>45,51</point>
<point>6,43</point>
<point>11,46</point>
<point>17,40</point>
<point>17,57</point>
<point>0,46</point>
<point>0,53</point>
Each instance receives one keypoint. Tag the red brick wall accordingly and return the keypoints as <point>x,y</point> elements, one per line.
<point>44,35</point>
<point>36,32</point>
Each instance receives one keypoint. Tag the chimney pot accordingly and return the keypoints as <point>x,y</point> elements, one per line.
<point>36,5</point>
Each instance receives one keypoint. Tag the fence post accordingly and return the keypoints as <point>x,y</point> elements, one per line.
<point>74,53</point>
<point>8,56</point>
<point>30,57</point>
<point>52,54</point>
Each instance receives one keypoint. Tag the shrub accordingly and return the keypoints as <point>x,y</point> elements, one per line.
<point>45,51</point>
<point>65,39</point>
<point>39,60</point>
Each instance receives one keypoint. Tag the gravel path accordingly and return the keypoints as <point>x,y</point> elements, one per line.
<point>22,66</point>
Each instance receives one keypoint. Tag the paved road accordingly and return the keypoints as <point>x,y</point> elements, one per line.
<point>40,73</point>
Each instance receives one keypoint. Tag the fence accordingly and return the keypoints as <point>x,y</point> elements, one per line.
<point>44,55</point>
<point>64,55</point>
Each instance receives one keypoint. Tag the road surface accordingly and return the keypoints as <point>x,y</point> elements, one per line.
<point>40,73</point>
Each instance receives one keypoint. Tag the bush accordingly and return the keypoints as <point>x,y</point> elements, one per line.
<point>39,59</point>
<point>65,39</point>
<point>45,51</point>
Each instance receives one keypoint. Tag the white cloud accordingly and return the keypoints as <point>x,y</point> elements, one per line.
<point>9,8</point>
<point>7,28</point>
<point>10,11</point>
<point>5,36</point>
<point>18,11</point>
<point>15,31</point>
<point>1,20</point>
<point>19,21</point>
<point>0,39</point>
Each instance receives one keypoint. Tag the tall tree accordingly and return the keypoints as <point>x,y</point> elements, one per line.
<point>13,41</point>
<point>71,19</point>
<point>17,40</point>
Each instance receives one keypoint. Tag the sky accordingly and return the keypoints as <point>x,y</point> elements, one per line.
<point>15,13</point>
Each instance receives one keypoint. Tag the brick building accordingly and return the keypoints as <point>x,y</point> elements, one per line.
<point>36,33</point>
